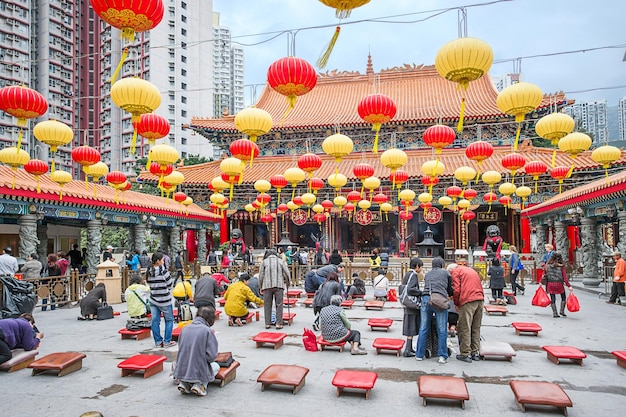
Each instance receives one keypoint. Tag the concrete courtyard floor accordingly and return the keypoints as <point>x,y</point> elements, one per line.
<point>598,388</point>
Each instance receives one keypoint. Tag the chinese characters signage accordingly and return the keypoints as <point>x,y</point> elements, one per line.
<point>432,215</point>
<point>364,217</point>
<point>299,217</point>
<point>488,217</point>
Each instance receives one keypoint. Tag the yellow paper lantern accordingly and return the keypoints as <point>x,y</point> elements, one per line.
<point>337,181</point>
<point>54,134</point>
<point>337,146</point>
<point>262,186</point>
<point>606,155</point>
<point>371,183</point>
<point>507,188</point>
<point>461,61</point>
<point>425,198</point>
<point>406,195</point>
<point>340,201</point>
<point>164,155</point>
<point>364,204</point>
<point>491,178</point>
<point>61,178</point>
<point>553,127</point>
<point>292,206</point>
<point>433,168</point>
<point>233,168</point>
<point>318,208</point>
<point>175,178</point>
<point>445,201</point>
<point>575,143</point>
<point>523,192</point>
<point>14,157</point>
<point>187,202</point>
<point>518,100</point>
<point>386,208</point>
<point>464,204</point>
<point>393,159</point>
<point>96,171</point>
<point>308,199</point>
<point>293,177</point>
<point>217,198</point>
<point>465,174</point>
<point>136,96</point>
<point>253,122</point>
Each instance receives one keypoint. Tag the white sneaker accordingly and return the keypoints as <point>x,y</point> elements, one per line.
<point>442,360</point>
<point>183,387</point>
<point>198,389</point>
<point>417,358</point>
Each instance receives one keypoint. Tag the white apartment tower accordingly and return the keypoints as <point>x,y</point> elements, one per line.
<point>228,72</point>
<point>506,80</point>
<point>621,115</point>
<point>592,117</point>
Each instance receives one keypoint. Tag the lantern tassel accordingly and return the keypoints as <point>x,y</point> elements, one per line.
<point>232,186</point>
<point>535,186</point>
<point>323,58</point>
<point>52,163</point>
<point>606,172</point>
<point>279,195</point>
<point>119,66</point>
<point>362,190</point>
<point>94,191</point>
<point>133,142</point>
<point>251,157</point>
<point>517,133</point>
<point>61,194</point>
<point>13,182</point>
<point>553,157</point>
<point>38,187</point>
<point>19,141</point>
<point>128,34</point>
<point>489,211</point>
<point>459,126</point>
<point>291,101</point>
<point>293,193</point>
<point>376,128</point>
<point>86,182</point>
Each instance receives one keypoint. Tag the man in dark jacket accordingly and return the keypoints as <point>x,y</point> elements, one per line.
<point>469,299</point>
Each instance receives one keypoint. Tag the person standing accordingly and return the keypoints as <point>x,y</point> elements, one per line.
<point>76,258</point>
<point>54,270</point>
<point>335,258</point>
<point>197,351</point>
<point>62,262</point>
<point>32,268</point>
<point>619,278</point>
<point>288,256</point>
<point>107,255</point>
<point>211,258</point>
<point>437,280</point>
<point>8,264</point>
<point>374,262</point>
<point>225,261</point>
<point>516,266</point>
<point>179,264</point>
<point>411,319</point>
<point>555,278</point>
<point>18,333</point>
<point>133,262</point>
<point>496,281</point>
<point>273,276</point>
<point>549,252</point>
<point>144,260</point>
<point>160,283</point>
<point>469,298</point>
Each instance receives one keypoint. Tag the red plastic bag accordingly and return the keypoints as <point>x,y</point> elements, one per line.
<point>541,297</point>
<point>392,295</point>
<point>572,303</point>
<point>309,340</point>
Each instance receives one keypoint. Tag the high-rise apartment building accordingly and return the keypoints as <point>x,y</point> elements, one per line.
<point>592,117</point>
<point>65,51</point>
<point>228,72</point>
<point>621,116</point>
<point>506,80</point>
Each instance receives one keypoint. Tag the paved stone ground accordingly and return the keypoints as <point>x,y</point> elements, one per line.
<point>597,388</point>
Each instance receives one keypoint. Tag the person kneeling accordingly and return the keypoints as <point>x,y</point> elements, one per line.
<point>336,326</point>
<point>197,350</point>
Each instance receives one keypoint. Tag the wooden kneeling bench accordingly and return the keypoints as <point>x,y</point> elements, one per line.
<point>288,318</point>
<point>325,343</point>
<point>21,359</point>
<point>620,355</point>
<point>382,343</point>
<point>290,375</point>
<point>380,324</point>
<point>273,338</point>
<point>226,374</point>
<point>374,305</point>
<point>61,362</point>
<point>444,387</point>
<point>149,364</point>
<point>345,379</point>
<point>540,393</point>
<point>496,309</point>
<point>555,353</point>
<point>490,348</point>
<point>524,327</point>
<point>135,334</point>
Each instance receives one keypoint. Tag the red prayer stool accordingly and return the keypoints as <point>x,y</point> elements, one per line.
<point>620,355</point>
<point>217,314</point>
<point>149,364</point>
<point>382,343</point>
<point>248,318</point>
<point>308,302</point>
<point>294,293</point>
<point>291,375</point>
<point>345,379</point>
<point>380,323</point>
<point>288,318</point>
<point>358,296</point>
<point>135,334</point>
<point>347,303</point>
<point>62,362</point>
<point>500,349</point>
<point>20,359</point>
<point>222,302</point>
<point>274,338</point>
<point>176,333</point>
<point>310,294</point>
<point>446,387</point>
<point>522,327</point>
<point>325,343</point>
<point>496,309</point>
<point>540,393</point>
<point>374,305</point>
<point>564,352</point>
<point>290,301</point>
<point>226,374</point>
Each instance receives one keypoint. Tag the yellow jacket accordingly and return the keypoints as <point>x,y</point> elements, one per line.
<point>236,296</point>
<point>183,290</point>
<point>374,263</point>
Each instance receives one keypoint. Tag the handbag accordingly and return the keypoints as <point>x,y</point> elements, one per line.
<point>392,295</point>
<point>438,301</point>
<point>409,301</point>
<point>572,303</point>
<point>104,312</point>
<point>541,298</point>
<point>224,359</point>
<point>309,340</point>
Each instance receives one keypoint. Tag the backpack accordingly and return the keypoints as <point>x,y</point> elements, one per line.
<point>185,312</point>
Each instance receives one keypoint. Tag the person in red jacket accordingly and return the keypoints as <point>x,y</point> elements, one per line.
<point>469,299</point>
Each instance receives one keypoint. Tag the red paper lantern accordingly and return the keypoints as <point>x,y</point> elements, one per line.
<point>406,215</point>
<point>354,196</point>
<point>454,191</point>
<point>469,194</point>
<point>244,150</point>
<point>362,171</point>
<point>129,15</point>
<point>406,203</point>
<point>24,103</point>
<point>319,218</point>
<point>490,197</point>
<point>430,181</point>
<point>152,127</point>
<point>327,204</point>
<point>505,200</point>
<point>256,204</point>
<point>282,208</point>
<point>116,177</point>
<point>535,168</point>
<point>349,207</point>
<point>376,109</point>
<point>230,179</point>
<point>298,201</point>
<point>126,186</point>
<point>36,167</point>
<point>309,163</point>
<point>161,170</point>
<point>426,205</point>
<point>398,178</point>
<point>263,199</point>
<point>267,218</point>
<point>85,156</point>
<point>315,184</point>
<point>291,77</point>
<point>560,173</point>
<point>479,151</point>
<point>468,215</point>
<point>380,198</point>
<point>439,136</point>
<point>513,162</point>
<point>279,182</point>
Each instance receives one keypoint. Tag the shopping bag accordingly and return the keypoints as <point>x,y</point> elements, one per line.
<point>541,298</point>
<point>392,295</point>
<point>572,303</point>
<point>309,340</point>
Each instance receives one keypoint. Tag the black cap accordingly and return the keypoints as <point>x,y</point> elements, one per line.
<point>8,250</point>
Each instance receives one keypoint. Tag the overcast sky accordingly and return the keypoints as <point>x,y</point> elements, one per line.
<point>514,29</point>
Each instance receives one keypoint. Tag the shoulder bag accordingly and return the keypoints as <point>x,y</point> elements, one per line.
<point>409,301</point>
<point>104,312</point>
<point>438,301</point>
